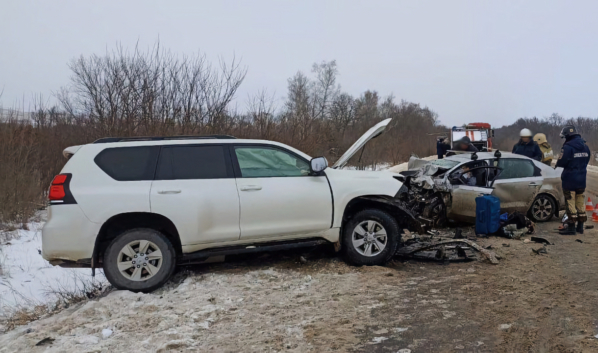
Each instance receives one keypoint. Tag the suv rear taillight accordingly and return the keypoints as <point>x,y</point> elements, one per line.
<point>59,190</point>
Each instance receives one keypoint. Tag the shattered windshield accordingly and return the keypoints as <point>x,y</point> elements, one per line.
<point>445,163</point>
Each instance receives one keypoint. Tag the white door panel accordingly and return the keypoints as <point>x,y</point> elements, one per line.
<point>284,205</point>
<point>203,210</point>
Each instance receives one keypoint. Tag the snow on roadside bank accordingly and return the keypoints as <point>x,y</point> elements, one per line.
<point>26,278</point>
<point>233,309</point>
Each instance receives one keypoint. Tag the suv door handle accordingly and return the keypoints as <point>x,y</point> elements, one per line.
<point>169,192</point>
<point>251,188</point>
<point>533,184</point>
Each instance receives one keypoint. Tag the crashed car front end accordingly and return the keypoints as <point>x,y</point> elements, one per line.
<point>426,194</point>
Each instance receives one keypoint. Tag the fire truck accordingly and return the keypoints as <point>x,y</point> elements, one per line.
<point>480,135</point>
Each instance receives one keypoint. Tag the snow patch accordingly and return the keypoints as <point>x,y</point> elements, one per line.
<point>106,333</point>
<point>26,279</point>
<point>377,340</point>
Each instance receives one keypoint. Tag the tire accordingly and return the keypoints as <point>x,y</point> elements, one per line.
<point>149,272</point>
<point>437,212</point>
<point>382,222</point>
<point>543,209</point>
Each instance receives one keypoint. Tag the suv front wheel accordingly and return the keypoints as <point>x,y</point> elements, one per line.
<point>139,260</point>
<point>371,237</point>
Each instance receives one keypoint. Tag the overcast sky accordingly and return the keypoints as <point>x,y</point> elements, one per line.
<point>469,61</point>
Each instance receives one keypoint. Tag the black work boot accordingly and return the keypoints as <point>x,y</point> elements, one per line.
<point>570,230</point>
<point>579,228</point>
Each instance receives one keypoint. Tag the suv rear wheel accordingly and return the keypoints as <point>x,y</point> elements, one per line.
<point>139,260</point>
<point>371,237</point>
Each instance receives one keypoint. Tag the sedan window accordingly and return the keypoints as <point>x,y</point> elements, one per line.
<point>256,162</point>
<point>516,168</point>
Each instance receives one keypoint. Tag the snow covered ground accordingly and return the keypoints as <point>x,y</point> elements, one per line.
<point>26,278</point>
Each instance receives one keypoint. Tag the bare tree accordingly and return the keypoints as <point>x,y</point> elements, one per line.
<point>125,93</point>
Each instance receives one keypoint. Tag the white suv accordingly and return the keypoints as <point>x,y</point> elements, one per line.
<point>139,206</point>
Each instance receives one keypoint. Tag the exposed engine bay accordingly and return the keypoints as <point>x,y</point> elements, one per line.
<point>424,195</point>
<point>427,189</point>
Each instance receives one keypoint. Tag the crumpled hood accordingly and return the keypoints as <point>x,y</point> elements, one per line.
<point>424,177</point>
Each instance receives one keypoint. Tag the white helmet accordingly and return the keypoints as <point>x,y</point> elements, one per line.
<point>525,133</point>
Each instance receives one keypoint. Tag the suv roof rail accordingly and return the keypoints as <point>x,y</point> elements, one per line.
<point>162,138</point>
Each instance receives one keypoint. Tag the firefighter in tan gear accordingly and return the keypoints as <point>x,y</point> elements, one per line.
<point>574,159</point>
<point>547,154</point>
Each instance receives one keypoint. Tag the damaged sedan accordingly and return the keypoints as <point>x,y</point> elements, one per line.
<point>446,189</point>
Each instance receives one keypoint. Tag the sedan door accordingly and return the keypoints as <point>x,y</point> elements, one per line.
<point>195,188</point>
<point>463,207</point>
<point>278,195</point>
<point>517,184</point>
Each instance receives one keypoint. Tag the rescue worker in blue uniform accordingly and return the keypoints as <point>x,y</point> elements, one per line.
<point>574,159</point>
<point>442,146</point>
<point>527,147</point>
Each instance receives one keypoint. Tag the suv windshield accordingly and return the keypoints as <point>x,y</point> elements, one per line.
<point>444,163</point>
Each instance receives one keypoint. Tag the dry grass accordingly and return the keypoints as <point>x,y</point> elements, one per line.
<point>30,310</point>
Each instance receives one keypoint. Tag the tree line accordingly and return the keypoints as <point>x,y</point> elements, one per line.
<point>507,136</point>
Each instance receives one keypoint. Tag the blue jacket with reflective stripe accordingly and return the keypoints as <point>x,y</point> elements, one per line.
<point>574,159</point>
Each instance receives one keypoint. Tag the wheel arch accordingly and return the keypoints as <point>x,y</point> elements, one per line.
<point>359,203</point>
<point>119,223</point>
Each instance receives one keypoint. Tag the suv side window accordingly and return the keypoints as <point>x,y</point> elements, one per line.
<point>193,162</point>
<point>129,163</point>
<point>516,168</point>
<point>258,162</point>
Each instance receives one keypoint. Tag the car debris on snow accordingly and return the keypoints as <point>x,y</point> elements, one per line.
<point>444,248</point>
<point>541,240</point>
<point>45,341</point>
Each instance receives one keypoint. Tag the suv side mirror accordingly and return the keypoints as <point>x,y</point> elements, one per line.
<point>318,164</point>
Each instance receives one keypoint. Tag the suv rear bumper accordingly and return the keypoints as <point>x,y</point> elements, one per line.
<point>68,234</point>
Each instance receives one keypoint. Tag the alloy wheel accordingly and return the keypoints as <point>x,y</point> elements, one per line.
<point>542,209</point>
<point>139,260</point>
<point>369,238</point>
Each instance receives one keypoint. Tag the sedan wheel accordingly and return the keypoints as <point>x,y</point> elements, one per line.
<point>369,238</point>
<point>543,208</point>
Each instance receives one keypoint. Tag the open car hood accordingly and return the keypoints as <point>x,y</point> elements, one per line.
<point>373,132</point>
